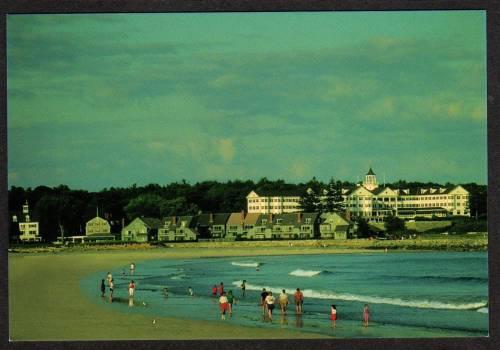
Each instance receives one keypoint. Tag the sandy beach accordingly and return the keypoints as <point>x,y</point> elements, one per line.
<point>46,302</point>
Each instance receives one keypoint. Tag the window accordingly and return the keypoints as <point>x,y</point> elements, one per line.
<point>279,221</point>
<point>308,220</point>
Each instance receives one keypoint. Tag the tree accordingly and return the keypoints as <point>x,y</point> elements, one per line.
<point>148,205</point>
<point>363,229</point>
<point>309,202</point>
<point>334,202</point>
<point>394,225</point>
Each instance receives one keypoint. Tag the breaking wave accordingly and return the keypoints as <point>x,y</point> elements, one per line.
<point>304,273</point>
<point>246,263</point>
<point>422,304</point>
<point>483,310</point>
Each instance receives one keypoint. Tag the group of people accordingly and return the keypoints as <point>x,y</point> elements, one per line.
<point>267,302</point>
<point>111,284</point>
<point>226,300</point>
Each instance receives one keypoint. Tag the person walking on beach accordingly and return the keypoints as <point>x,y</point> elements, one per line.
<point>221,288</point>
<point>283,301</point>
<point>103,288</point>
<point>111,287</point>
<point>223,304</point>
<point>131,289</point>
<point>190,291</point>
<point>230,300</point>
<point>270,305</point>
<point>214,290</point>
<point>333,315</point>
<point>243,287</point>
<point>366,315</point>
<point>299,300</point>
<point>263,296</point>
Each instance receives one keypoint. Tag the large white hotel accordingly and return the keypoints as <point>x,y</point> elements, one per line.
<point>374,203</point>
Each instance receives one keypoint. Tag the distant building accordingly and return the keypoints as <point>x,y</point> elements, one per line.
<point>96,229</point>
<point>212,225</point>
<point>29,230</point>
<point>284,226</point>
<point>141,230</point>
<point>272,202</point>
<point>375,203</point>
<point>181,228</point>
<point>334,226</point>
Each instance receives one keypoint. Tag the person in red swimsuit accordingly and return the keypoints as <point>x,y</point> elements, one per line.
<point>333,315</point>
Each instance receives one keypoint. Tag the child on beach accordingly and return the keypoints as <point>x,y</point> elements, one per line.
<point>103,288</point>
<point>283,300</point>
<point>299,300</point>
<point>230,300</point>
<point>270,304</point>
<point>333,315</point>
<point>366,315</point>
<point>131,289</point>
<point>223,304</point>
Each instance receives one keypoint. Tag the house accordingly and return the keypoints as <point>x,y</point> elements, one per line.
<point>261,228</point>
<point>97,229</point>
<point>333,226</point>
<point>212,225</point>
<point>28,229</point>
<point>284,226</point>
<point>182,228</point>
<point>141,230</point>
<point>235,226</point>
<point>277,202</point>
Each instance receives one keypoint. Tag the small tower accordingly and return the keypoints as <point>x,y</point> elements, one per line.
<point>29,231</point>
<point>370,182</point>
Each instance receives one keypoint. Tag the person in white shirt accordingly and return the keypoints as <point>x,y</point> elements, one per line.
<point>270,305</point>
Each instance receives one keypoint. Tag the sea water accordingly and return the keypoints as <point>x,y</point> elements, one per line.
<point>410,294</point>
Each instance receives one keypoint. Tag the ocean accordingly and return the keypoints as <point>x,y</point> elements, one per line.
<point>410,294</point>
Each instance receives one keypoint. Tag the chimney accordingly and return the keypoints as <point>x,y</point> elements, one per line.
<point>211,219</point>
<point>299,218</point>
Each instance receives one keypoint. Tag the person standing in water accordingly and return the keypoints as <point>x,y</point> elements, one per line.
<point>270,305</point>
<point>111,288</point>
<point>132,268</point>
<point>109,277</point>
<point>263,296</point>
<point>223,304</point>
<point>230,300</point>
<point>221,288</point>
<point>283,300</point>
<point>103,288</point>
<point>366,315</point>
<point>299,300</point>
<point>333,315</point>
<point>214,290</point>
<point>131,289</point>
<point>190,291</point>
<point>243,287</point>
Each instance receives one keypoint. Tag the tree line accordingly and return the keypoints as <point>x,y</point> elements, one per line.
<point>63,209</point>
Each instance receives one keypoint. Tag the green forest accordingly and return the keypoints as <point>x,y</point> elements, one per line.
<point>60,207</point>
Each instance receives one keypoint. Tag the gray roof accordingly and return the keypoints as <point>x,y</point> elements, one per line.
<point>279,193</point>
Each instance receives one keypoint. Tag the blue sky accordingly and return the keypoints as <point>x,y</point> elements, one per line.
<point>105,100</point>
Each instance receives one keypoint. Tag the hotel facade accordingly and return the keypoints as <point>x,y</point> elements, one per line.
<point>375,203</point>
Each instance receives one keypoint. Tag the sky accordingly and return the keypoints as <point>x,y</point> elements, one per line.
<point>108,100</point>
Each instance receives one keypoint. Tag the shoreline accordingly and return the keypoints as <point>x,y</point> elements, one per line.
<point>39,281</point>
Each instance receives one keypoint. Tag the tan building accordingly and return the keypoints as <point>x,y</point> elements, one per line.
<point>272,203</point>
<point>29,230</point>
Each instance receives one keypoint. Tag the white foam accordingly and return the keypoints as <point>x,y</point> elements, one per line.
<point>304,273</point>
<point>245,263</point>
<point>421,304</point>
<point>483,310</point>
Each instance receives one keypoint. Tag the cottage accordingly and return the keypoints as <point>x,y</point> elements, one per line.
<point>262,228</point>
<point>333,226</point>
<point>181,228</point>
<point>141,230</point>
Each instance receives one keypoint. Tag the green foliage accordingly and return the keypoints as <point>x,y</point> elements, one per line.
<point>363,230</point>
<point>334,202</point>
<point>394,225</point>
<point>309,202</point>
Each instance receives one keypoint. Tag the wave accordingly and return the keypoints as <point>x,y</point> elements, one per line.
<point>246,263</point>
<point>483,310</point>
<point>304,273</point>
<point>421,304</point>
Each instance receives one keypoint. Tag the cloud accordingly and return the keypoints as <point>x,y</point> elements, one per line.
<point>226,149</point>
